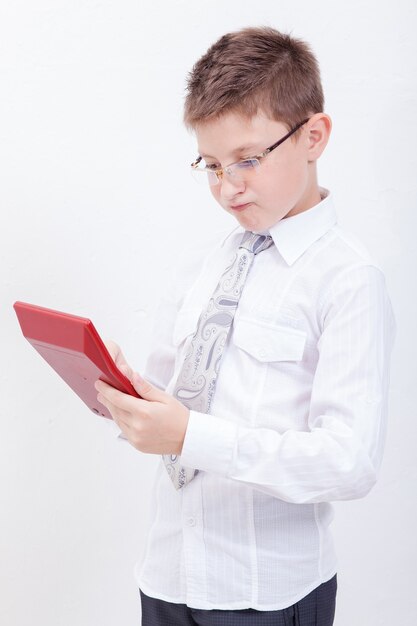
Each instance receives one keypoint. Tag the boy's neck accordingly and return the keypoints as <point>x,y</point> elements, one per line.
<point>311,197</point>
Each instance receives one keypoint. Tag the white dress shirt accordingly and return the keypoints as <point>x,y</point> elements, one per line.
<point>298,418</point>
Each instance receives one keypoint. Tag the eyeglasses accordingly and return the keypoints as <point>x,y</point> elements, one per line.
<point>239,171</point>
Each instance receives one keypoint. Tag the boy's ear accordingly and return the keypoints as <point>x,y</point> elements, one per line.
<point>318,132</point>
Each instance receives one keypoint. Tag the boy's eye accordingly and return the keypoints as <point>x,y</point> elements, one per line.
<point>212,166</point>
<point>246,164</point>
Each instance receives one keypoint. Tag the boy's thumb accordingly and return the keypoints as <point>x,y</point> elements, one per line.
<point>126,370</point>
<point>145,388</point>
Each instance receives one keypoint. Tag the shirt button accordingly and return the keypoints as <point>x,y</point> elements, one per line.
<point>191,521</point>
<point>262,352</point>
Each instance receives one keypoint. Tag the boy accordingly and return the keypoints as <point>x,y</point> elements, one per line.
<point>267,392</point>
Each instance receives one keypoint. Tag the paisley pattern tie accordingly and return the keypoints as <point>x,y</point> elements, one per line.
<point>196,381</point>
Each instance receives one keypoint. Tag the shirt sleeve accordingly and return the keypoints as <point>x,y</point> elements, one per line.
<point>339,456</point>
<point>160,362</point>
<point>161,356</point>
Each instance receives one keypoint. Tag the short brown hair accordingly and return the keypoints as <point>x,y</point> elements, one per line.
<point>252,69</point>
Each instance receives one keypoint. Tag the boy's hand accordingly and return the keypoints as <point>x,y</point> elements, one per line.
<point>155,424</point>
<point>118,358</point>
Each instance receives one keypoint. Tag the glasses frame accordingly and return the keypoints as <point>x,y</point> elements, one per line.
<point>219,172</point>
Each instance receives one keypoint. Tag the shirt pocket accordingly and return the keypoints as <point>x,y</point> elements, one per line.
<point>269,342</point>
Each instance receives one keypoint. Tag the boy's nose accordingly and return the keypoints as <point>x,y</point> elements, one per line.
<point>229,187</point>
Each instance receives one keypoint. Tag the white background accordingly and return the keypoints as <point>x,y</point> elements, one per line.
<point>96,202</point>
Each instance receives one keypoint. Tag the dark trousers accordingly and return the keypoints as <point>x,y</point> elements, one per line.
<point>315,609</point>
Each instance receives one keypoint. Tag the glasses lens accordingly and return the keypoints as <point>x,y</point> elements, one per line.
<point>203,174</point>
<point>199,176</point>
<point>242,170</point>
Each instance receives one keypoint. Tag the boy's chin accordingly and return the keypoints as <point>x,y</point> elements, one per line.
<point>254,225</point>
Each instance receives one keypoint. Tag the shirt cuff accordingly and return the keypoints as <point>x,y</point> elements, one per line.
<point>209,443</point>
<point>114,429</point>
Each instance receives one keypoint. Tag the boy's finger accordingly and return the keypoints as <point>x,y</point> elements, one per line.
<point>126,370</point>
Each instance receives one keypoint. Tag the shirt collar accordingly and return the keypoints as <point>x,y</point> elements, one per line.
<point>293,235</point>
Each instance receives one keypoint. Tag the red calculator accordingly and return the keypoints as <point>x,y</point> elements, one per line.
<point>73,348</point>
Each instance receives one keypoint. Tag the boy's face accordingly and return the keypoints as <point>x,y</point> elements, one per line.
<point>285,183</point>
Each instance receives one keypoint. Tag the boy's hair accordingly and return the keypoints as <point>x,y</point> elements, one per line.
<point>253,69</point>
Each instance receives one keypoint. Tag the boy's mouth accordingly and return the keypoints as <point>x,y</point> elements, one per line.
<point>239,207</point>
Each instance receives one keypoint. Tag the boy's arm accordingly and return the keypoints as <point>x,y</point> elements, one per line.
<point>340,455</point>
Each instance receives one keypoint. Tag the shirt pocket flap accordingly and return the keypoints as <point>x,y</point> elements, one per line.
<point>269,342</point>
<point>185,325</point>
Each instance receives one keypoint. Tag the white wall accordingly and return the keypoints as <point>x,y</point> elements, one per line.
<point>96,200</point>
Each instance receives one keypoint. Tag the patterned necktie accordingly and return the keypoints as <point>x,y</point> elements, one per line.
<point>196,381</point>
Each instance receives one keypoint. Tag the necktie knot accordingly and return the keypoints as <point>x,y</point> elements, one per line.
<point>255,243</point>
